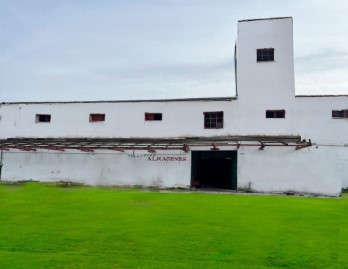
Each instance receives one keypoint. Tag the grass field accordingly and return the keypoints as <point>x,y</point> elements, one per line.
<point>45,226</point>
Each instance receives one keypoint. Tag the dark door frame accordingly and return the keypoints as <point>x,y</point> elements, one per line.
<point>199,155</point>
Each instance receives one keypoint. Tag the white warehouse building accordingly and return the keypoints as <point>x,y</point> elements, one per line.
<point>264,139</point>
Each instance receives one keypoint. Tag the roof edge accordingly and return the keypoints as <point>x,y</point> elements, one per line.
<point>323,95</point>
<point>266,19</point>
<point>179,139</point>
<point>205,99</point>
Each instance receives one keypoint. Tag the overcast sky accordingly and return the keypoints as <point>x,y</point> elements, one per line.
<point>54,50</point>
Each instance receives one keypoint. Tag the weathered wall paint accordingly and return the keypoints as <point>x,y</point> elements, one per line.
<point>102,168</point>
<point>310,170</point>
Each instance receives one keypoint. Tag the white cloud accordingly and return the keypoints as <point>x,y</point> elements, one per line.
<point>323,82</point>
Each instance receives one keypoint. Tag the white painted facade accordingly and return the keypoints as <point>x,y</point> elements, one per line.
<point>319,169</point>
<point>122,119</point>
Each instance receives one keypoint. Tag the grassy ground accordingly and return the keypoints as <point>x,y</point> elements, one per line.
<point>45,226</point>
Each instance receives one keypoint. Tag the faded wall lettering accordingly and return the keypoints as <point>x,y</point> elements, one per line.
<point>166,159</point>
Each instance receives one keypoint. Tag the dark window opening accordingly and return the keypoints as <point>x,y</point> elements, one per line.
<point>213,120</point>
<point>153,116</point>
<point>265,55</point>
<point>340,114</point>
<point>96,117</point>
<point>275,114</point>
<point>43,118</point>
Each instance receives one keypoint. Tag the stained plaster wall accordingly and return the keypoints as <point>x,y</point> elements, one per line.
<point>310,170</point>
<point>100,168</point>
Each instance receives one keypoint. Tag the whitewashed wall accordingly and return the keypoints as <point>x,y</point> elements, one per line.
<point>270,85</point>
<point>265,86</point>
<point>313,119</point>
<point>313,170</point>
<point>309,117</point>
<point>102,168</point>
<point>122,119</point>
<point>310,170</point>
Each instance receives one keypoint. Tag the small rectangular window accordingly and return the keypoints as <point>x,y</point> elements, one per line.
<point>265,55</point>
<point>96,117</point>
<point>43,118</point>
<point>213,120</point>
<point>153,116</point>
<point>340,114</point>
<point>275,114</point>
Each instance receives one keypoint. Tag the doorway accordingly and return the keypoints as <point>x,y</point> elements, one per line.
<point>214,170</point>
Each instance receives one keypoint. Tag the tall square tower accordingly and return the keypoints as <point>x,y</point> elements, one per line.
<point>265,62</point>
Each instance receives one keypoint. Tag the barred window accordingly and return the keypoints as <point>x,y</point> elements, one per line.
<point>213,120</point>
<point>265,55</point>
<point>340,114</point>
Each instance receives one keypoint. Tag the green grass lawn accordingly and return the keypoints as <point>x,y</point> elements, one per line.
<point>45,226</point>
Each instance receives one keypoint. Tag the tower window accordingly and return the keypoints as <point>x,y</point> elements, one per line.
<point>265,55</point>
<point>275,114</point>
